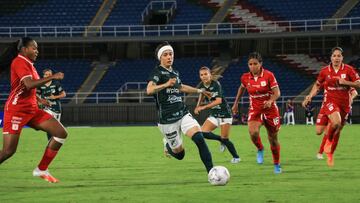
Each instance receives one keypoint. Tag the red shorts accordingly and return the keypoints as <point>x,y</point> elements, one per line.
<point>327,109</point>
<point>269,117</point>
<point>15,121</point>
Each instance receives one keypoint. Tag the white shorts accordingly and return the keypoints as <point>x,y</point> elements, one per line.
<point>172,133</point>
<point>57,116</point>
<point>219,121</point>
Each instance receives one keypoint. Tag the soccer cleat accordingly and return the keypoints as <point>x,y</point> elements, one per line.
<point>319,156</point>
<point>260,156</point>
<point>166,152</point>
<point>235,160</point>
<point>277,169</point>
<point>330,159</point>
<point>222,147</point>
<point>44,175</point>
<point>327,146</point>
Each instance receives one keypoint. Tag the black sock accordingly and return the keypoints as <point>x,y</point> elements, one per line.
<point>48,136</point>
<point>230,146</point>
<point>211,136</point>
<point>178,156</point>
<point>204,152</point>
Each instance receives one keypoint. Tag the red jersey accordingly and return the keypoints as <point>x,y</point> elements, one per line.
<point>333,92</point>
<point>259,88</point>
<point>19,98</point>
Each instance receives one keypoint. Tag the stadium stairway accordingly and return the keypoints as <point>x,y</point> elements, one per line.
<point>304,62</point>
<point>341,12</point>
<point>220,15</point>
<point>245,13</point>
<point>99,19</point>
<point>97,73</point>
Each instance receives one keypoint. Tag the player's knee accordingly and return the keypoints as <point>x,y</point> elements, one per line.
<point>335,125</point>
<point>254,133</point>
<point>318,132</point>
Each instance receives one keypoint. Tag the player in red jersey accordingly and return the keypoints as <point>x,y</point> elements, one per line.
<point>21,106</point>
<point>322,122</point>
<point>263,91</point>
<point>337,78</point>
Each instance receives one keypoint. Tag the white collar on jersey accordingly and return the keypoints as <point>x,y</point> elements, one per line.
<point>23,57</point>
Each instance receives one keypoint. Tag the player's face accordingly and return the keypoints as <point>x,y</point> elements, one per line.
<point>31,51</point>
<point>47,74</point>
<point>254,66</point>
<point>205,76</point>
<point>167,58</point>
<point>336,58</point>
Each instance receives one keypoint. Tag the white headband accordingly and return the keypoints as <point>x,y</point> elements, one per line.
<point>164,48</point>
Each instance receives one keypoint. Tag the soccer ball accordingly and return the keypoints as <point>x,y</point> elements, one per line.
<point>218,175</point>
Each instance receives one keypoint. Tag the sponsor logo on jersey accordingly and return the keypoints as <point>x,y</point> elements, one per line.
<point>172,90</point>
<point>174,99</point>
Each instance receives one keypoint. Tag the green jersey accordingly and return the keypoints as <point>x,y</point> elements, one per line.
<point>219,111</point>
<point>169,103</point>
<point>45,91</point>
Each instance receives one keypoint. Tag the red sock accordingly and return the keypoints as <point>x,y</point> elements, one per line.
<point>48,156</point>
<point>276,153</point>
<point>321,150</point>
<point>258,143</point>
<point>335,142</point>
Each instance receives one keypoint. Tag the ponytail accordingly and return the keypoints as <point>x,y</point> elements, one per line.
<point>11,52</point>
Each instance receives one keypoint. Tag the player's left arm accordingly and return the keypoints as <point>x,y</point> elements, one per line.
<point>275,91</point>
<point>354,79</point>
<point>275,95</point>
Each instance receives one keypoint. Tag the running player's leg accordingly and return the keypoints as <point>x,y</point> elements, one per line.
<point>191,128</point>
<point>272,124</point>
<point>254,131</point>
<point>225,131</point>
<point>10,143</point>
<point>45,122</point>
<point>209,125</point>
<point>173,140</point>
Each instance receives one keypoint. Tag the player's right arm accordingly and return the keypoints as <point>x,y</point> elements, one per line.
<point>153,88</point>
<point>30,83</point>
<point>316,88</point>
<point>239,94</point>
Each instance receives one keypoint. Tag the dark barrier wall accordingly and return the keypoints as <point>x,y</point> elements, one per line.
<point>145,114</point>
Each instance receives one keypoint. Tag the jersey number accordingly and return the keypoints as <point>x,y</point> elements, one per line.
<point>15,126</point>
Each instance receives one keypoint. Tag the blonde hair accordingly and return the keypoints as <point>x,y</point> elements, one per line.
<point>214,77</point>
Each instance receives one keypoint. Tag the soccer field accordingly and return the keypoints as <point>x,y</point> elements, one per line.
<point>126,164</point>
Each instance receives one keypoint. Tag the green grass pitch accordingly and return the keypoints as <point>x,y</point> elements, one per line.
<point>126,164</point>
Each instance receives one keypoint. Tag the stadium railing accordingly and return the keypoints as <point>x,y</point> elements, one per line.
<point>313,25</point>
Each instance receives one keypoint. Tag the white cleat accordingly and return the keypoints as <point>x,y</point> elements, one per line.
<point>319,156</point>
<point>235,160</point>
<point>222,147</point>
<point>44,175</point>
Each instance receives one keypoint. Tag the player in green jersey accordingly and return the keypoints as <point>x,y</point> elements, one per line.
<point>165,84</point>
<point>220,112</point>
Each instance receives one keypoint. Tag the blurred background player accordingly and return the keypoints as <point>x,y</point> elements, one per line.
<point>337,79</point>
<point>165,84</point>
<point>52,92</point>
<point>21,106</point>
<point>263,91</point>
<point>289,113</point>
<point>220,112</point>
<point>309,114</point>
<point>322,124</point>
